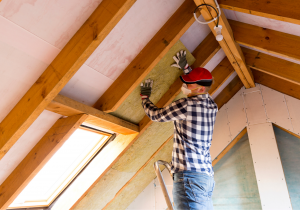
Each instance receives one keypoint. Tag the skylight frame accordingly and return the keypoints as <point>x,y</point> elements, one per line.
<point>77,170</point>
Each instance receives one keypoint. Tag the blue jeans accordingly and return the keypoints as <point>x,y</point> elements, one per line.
<point>193,190</point>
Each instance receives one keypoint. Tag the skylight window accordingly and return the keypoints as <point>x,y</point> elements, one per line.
<point>61,169</point>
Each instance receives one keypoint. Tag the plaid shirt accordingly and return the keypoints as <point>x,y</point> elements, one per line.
<point>194,120</point>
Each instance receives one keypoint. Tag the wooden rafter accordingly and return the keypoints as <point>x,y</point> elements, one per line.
<point>221,73</point>
<point>277,83</point>
<point>205,51</point>
<point>267,40</point>
<point>228,44</point>
<point>61,70</point>
<point>276,9</point>
<point>274,66</point>
<point>146,60</point>
<point>37,158</point>
<point>68,107</point>
<point>228,92</point>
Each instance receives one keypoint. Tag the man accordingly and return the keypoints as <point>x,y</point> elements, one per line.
<point>194,119</point>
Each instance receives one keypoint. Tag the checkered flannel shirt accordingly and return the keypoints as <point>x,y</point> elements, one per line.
<point>194,120</point>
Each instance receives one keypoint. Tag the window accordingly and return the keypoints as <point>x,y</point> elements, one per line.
<point>62,168</point>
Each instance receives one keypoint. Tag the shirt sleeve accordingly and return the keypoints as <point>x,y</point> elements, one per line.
<point>175,111</point>
<point>187,70</point>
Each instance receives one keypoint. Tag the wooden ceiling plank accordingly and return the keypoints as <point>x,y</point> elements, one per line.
<point>229,146</point>
<point>277,67</point>
<point>267,40</point>
<point>228,44</point>
<point>68,107</point>
<point>61,70</point>
<point>203,53</point>
<point>277,83</point>
<point>228,92</point>
<point>276,9</point>
<point>37,158</point>
<point>146,60</point>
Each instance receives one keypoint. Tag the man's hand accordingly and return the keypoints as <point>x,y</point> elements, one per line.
<point>146,88</point>
<point>181,62</point>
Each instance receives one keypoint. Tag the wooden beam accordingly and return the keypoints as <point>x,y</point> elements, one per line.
<point>277,83</point>
<point>37,158</point>
<point>221,73</point>
<point>146,60</point>
<point>203,53</point>
<point>228,92</point>
<point>290,132</point>
<point>68,107</point>
<point>277,67</point>
<point>139,171</point>
<point>205,50</point>
<point>267,40</point>
<point>61,70</point>
<point>276,9</point>
<point>228,44</point>
<point>232,143</point>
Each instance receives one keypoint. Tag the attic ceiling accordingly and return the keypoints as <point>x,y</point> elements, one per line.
<point>95,53</point>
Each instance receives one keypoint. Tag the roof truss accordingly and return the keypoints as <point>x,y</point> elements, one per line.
<point>92,33</point>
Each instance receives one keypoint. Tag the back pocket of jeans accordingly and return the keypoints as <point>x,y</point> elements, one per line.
<point>200,191</point>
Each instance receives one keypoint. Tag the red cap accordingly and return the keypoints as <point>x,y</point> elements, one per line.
<point>200,76</point>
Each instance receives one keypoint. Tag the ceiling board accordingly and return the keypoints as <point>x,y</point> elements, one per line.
<point>86,86</point>
<point>131,35</point>
<point>195,35</point>
<point>19,69</point>
<point>53,21</point>
<point>27,141</point>
<point>19,38</point>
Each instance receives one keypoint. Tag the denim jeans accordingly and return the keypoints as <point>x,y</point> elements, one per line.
<point>193,190</point>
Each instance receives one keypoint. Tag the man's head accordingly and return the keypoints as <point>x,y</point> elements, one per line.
<point>198,81</point>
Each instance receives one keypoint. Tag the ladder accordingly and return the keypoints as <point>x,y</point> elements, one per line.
<point>162,182</point>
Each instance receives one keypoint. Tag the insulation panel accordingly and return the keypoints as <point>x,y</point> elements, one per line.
<point>255,109</point>
<point>236,114</point>
<point>276,107</point>
<point>270,177</point>
<point>293,107</point>
<point>221,135</point>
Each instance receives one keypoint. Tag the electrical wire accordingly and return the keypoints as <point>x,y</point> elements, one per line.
<point>216,18</point>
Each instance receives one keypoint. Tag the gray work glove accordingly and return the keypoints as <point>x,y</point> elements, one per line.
<point>146,88</point>
<point>181,62</point>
